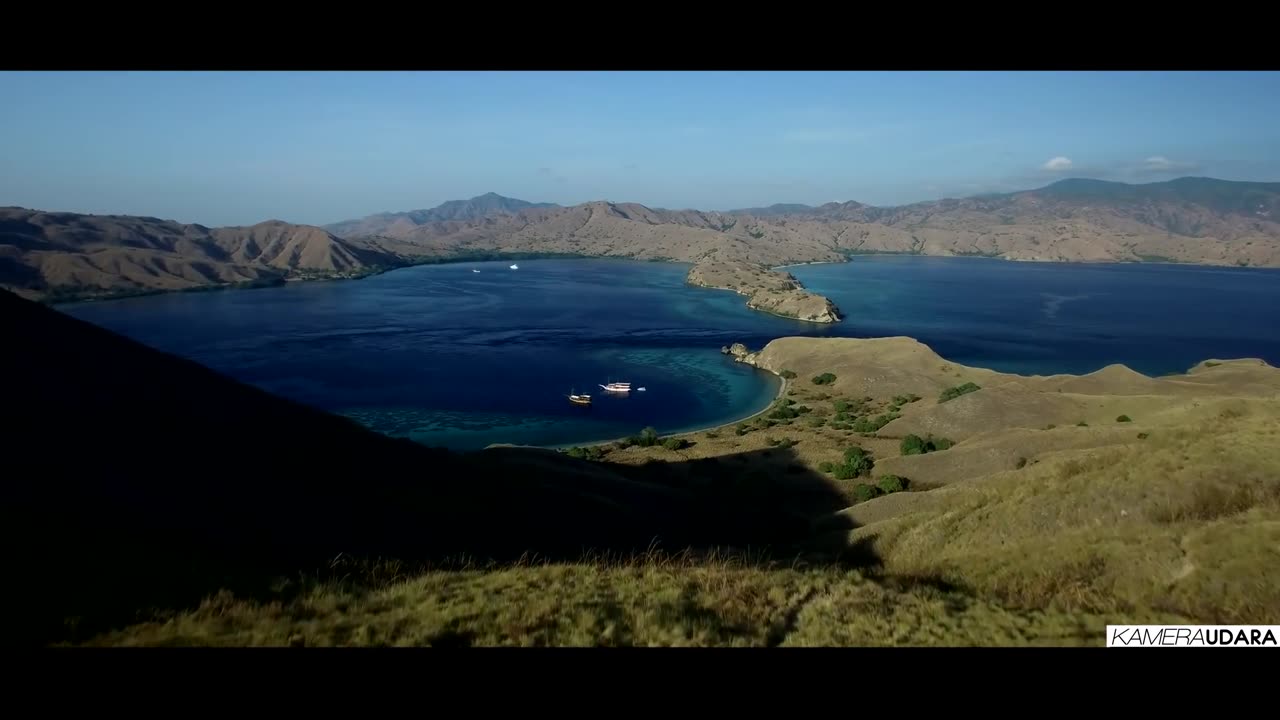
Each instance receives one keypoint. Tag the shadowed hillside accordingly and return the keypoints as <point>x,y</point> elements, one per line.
<point>144,480</point>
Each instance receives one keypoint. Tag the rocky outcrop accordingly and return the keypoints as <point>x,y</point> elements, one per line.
<point>772,291</point>
<point>742,354</point>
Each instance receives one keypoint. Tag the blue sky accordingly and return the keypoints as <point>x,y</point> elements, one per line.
<point>239,148</point>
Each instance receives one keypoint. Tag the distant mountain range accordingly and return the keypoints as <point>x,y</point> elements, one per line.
<point>1188,220</point>
<point>475,208</point>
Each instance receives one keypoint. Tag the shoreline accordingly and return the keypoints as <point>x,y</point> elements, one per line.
<point>783,385</point>
<point>223,287</point>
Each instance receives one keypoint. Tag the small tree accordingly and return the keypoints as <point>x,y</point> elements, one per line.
<point>863,492</point>
<point>674,443</point>
<point>824,379</point>
<point>858,461</point>
<point>912,445</point>
<point>890,484</point>
<point>1123,418</point>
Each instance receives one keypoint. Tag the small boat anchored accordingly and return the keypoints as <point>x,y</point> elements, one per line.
<point>515,267</point>
<point>617,387</point>
<point>577,399</point>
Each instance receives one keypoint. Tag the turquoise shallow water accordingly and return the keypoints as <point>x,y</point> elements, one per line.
<point>451,357</point>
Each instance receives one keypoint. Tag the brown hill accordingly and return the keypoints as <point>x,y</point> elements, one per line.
<point>67,254</point>
<point>1195,220</point>
<point>1192,220</point>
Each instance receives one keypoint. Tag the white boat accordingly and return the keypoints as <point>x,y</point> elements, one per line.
<point>617,387</point>
<point>515,267</point>
<point>473,270</point>
<point>640,389</point>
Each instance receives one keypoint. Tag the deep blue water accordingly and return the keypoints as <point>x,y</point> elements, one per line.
<point>452,357</point>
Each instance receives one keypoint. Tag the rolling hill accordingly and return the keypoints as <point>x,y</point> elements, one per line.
<point>161,503</point>
<point>67,255</point>
<point>1189,220</point>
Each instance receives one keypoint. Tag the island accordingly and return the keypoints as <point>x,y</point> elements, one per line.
<point>772,291</point>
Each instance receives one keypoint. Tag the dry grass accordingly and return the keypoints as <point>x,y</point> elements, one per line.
<point>599,603</point>
<point>1025,535</point>
<point>1187,521</point>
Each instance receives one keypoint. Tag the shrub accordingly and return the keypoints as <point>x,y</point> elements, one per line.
<point>916,445</point>
<point>912,445</point>
<point>905,399</point>
<point>844,472</point>
<point>713,435</point>
<point>1082,424</point>
<point>827,467</point>
<point>817,422</point>
<point>788,374</point>
<point>648,437</point>
<point>1123,418</point>
<point>784,413</point>
<point>865,425</point>
<point>824,379</point>
<point>955,392</point>
<point>675,443</point>
<point>804,409</point>
<point>863,492</point>
<point>858,461</point>
<point>1142,436</point>
<point>842,405</point>
<point>1022,462</point>
<point>890,484</point>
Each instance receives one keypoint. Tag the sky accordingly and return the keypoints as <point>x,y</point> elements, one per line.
<point>237,148</point>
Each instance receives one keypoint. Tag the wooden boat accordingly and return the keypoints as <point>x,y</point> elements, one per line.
<point>577,399</point>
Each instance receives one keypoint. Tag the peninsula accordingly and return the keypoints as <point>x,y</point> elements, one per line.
<point>53,256</point>
<point>772,291</point>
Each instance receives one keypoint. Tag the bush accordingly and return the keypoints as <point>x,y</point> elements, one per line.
<point>863,492</point>
<point>916,445</point>
<point>1123,418</point>
<point>905,399</point>
<point>675,443</point>
<point>595,452</point>
<point>784,413</point>
<point>1082,424</point>
<point>788,374</point>
<point>783,443</point>
<point>827,467</point>
<point>955,392</point>
<point>844,472</point>
<point>912,445</point>
<point>866,425</point>
<point>824,379</point>
<point>858,461</point>
<point>648,437</point>
<point>1142,436</point>
<point>890,484</point>
<point>713,435</point>
<point>1022,462</point>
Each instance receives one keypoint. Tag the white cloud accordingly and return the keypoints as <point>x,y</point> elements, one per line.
<point>1162,164</point>
<point>1058,164</point>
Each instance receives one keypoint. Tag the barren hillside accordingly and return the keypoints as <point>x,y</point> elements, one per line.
<point>69,255</point>
<point>1191,220</point>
